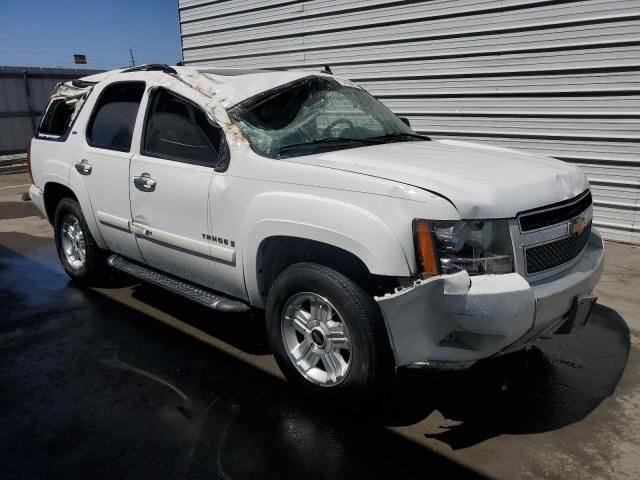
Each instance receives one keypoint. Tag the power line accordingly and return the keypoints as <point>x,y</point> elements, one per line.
<point>21,46</point>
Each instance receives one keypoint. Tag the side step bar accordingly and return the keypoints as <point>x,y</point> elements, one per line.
<point>180,287</point>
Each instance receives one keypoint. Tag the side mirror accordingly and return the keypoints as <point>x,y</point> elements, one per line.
<point>405,120</point>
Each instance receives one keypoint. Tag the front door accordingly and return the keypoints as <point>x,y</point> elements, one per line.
<point>103,163</point>
<point>169,184</point>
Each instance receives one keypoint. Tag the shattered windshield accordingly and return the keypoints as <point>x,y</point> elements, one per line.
<point>317,114</point>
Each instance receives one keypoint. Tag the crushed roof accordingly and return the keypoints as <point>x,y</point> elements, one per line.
<point>234,85</point>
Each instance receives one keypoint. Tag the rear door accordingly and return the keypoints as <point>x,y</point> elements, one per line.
<point>103,163</point>
<point>169,187</point>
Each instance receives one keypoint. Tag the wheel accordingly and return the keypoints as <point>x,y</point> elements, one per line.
<point>81,258</point>
<point>327,334</point>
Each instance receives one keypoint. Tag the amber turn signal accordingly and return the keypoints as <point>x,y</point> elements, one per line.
<point>425,249</point>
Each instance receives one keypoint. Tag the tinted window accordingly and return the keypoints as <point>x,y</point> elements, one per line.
<point>114,116</point>
<point>177,129</point>
<point>56,119</point>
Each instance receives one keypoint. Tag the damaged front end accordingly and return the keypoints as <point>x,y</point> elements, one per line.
<point>454,320</point>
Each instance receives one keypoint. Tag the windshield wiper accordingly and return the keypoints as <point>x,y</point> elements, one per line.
<point>400,135</point>
<point>335,140</point>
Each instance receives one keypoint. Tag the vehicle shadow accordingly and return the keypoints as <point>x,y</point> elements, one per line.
<point>94,387</point>
<point>552,384</point>
<point>143,383</point>
<point>244,331</point>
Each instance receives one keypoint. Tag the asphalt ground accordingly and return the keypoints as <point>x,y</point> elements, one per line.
<point>134,382</point>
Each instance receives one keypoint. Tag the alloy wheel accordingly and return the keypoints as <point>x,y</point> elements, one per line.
<point>316,339</point>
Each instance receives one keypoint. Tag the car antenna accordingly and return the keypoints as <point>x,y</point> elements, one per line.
<point>327,69</point>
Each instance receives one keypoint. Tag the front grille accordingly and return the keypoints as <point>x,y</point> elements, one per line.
<point>553,254</point>
<point>554,214</point>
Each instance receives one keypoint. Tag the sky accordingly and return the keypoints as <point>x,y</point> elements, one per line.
<point>46,33</point>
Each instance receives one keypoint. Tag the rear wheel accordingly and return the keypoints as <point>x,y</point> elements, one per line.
<point>327,334</point>
<point>81,258</point>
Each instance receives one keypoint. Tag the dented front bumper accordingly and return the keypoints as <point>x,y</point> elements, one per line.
<point>457,319</point>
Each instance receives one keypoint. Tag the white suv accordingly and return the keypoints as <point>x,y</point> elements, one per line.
<point>370,246</point>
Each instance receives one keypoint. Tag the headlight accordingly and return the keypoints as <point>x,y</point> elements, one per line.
<point>477,246</point>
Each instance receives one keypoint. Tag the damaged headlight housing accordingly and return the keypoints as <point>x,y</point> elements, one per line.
<point>477,246</point>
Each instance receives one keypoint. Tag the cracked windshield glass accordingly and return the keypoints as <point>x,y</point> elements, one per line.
<point>317,114</point>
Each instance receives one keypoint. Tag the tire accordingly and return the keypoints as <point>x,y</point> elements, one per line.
<point>305,359</point>
<point>90,267</point>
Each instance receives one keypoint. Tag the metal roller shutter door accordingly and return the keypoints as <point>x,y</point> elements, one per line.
<point>560,78</point>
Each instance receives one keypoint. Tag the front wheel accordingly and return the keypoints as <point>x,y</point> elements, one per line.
<point>327,334</point>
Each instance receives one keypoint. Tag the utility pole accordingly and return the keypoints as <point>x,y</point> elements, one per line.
<point>132,60</point>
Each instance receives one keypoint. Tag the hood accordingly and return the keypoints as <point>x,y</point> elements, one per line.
<point>481,181</point>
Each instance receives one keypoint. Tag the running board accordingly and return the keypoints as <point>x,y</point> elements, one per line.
<point>180,287</point>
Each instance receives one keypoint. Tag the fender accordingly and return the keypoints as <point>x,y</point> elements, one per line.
<point>334,222</point>
<point>52,163</point>
<point>78,188</point>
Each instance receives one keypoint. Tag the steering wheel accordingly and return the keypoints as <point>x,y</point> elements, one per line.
<point>327,131</point>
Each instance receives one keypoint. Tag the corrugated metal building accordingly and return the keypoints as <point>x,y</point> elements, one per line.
<point>555,77</point>
<point>24,93</point>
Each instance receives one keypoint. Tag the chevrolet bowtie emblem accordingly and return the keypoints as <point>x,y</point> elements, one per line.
<point>577,226</point>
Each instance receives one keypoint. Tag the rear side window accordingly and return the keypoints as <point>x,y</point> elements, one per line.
<point>114,116</point>
<point>178,130</point>
<point>57,119</point>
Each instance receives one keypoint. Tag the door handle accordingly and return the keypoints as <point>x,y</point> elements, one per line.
<point>144,183</point>
<point>84,167</point>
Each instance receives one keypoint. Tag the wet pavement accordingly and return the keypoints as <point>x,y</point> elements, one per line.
<point>129,381</point>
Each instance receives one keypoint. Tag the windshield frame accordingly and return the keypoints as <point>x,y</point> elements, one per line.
<point>322,145</point>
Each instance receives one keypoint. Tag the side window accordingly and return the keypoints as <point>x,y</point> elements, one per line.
<point>56,119</point>
<point>114,116</point>
<point>178,130</point>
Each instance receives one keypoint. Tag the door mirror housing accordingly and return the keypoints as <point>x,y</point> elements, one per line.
<point>405,120</point>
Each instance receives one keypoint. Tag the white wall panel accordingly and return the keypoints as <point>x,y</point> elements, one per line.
<point>560,78</point>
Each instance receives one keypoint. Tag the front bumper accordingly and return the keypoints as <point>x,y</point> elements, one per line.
<point>458,319</point>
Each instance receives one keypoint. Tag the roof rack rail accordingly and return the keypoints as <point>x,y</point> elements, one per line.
<point>151,67</point>
<point>79,83</point>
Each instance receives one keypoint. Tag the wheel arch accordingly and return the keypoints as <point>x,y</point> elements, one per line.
<point>365,245</point>
<point>54,191</point>
<point>278,252</point>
